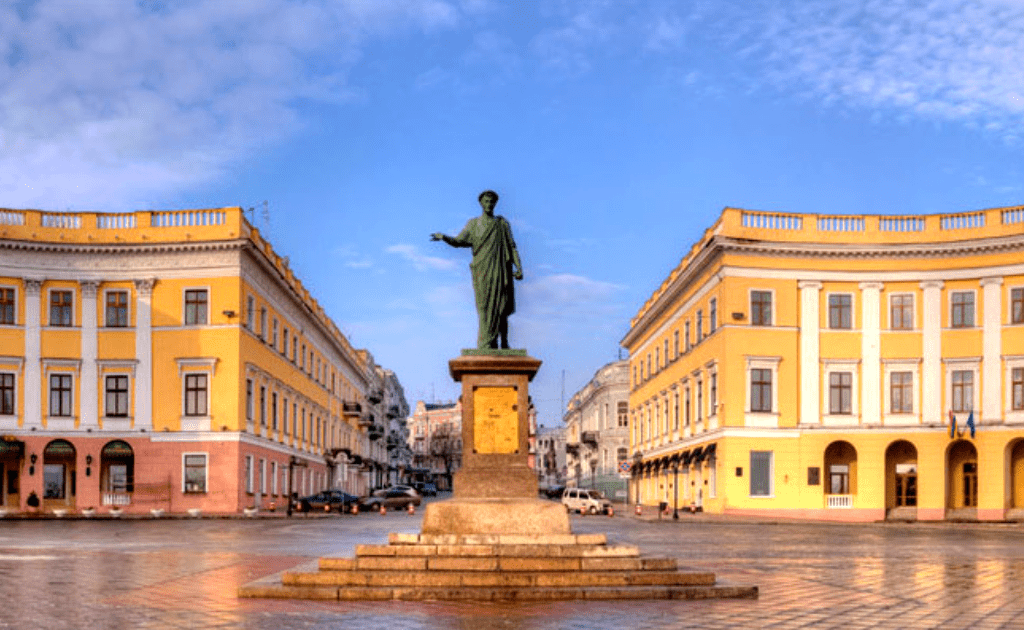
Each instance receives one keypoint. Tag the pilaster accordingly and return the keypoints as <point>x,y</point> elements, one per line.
<point>32,387</point>
<point>931,361</point>
<point>144,354</point>
<point>871,375</point>
<point>88,395</point>
<point>991,335</point>
<point>810,380</point>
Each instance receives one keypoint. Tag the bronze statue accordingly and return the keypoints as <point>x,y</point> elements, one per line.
<point>495,264</point>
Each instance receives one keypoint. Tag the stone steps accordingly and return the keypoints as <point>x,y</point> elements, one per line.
<point>494,567</point>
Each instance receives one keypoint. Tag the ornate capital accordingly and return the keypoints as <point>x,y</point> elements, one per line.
<point>808,284</point>
<point>932,284</point>
<point>145,287</point>
<point>89,288</point>
<point>33,287</point>
<point>870,286</point>
<point>996,280</point>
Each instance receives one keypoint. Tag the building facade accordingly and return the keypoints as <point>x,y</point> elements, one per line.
<point>396,432</point>
<point>435,439</point>
<point>551,468</point>
<point>169,361</point>
<point>826,367</point>
<point>597,430</point>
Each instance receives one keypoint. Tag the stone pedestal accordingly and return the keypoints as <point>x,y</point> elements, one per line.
<point>495,490</point>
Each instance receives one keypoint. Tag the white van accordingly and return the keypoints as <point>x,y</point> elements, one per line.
<point>585,501</point>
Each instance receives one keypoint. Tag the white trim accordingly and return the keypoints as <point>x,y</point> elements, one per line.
<point>913,311</point>
<point>966,364</point>
<point>837,366</point>
<point>196,364</point>
<point>115,365</point>
<point>853,312</point>
<point>750,308</point>
<point>17,296</point>
<point>16,362</point>
<point>871,343</point>
<point>991,342</point>
<point>931,344</point>
<point>810,340</point>
<point>902,365</point>
<point>683,309</point>
<point>761,418</point>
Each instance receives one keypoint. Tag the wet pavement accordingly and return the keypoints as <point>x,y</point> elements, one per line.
<point>185,574</point>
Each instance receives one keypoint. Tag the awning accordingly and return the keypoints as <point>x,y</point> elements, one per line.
<point>12,449</point>
<point>59,448</point>
<point>117,449</point>
<point>704,453</point>
<point>684,459</point>
<point>697,456</point>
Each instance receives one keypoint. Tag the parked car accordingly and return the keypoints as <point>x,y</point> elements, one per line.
<point>326,501</point>
<point>582,500</point>
<point>393,498</point>
<point>425,488</point>
<point>553,492</point>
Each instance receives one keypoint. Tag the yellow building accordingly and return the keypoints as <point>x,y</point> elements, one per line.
<point>170,361</point>
<point>808,366</point>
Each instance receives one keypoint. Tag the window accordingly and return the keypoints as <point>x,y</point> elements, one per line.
<point>263,324</point>
<point>700,326</point>
<point>760,473</point>
<point>117,309</point>
<point>117,396</point>
<point>840,386</point>
<point>273,478</point>
<point>284,416</point>
<point>295,346</point>
<point>6,306</point>
<point>284,342</point>
<point>273,334</point>
<point>249,406</point>
<point>195,307</point>
<point>962,309</point>
<point>675,344</point>
<point>712,316</point>
<point>273,411</point>
<point>675,414</point>
<point>761,308</point>
<point>263,406</point>
<point>623,411</point>
<point>1018,389</point>
<point>839,479</point>
<point>250,312</point>
<point>713,394</point>
<point>60,395</point>
<point>263,476</point>
<point>686,335</point>
<point>686,406</point>
<point>657,359</point>
<point>622,454</point>
<point>6,394</point>
<point>901,392</point>
<point>840,311</point>
<point>761,390</point>
<point>1016,306</point>
<point>195,394</point>
<point>61,305</point>
<point>295,416</point>
<point>649,365</point>
<point>963,390</point>
<point>247,474</point>
<point>194,472</point>
<point>700,400</point>
<point>901,312</point>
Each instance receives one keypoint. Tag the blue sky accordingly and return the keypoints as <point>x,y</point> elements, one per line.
<point>614,130</point>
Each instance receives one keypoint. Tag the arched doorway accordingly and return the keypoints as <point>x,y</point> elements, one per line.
<point>841,474</point>
<point>117,473</point>
<point>12,455</point>
<point>59,475</point>
<point>1016,459</point>
<point>901,480</point>
<point>962,478</point>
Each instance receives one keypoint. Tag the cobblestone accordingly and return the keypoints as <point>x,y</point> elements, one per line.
<point>185,574</point>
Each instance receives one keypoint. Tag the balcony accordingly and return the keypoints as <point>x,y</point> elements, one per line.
<point>374,397</point>
<point>376,432</point>
<point>366,422</point>
<point>351,409</point>
<point>118,499</point>
<point>839,501</point>
<point>590,437</point>
<point>573,448</point>
<point>393,411</point>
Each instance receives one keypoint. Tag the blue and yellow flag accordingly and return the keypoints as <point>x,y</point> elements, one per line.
<point>970,424</point>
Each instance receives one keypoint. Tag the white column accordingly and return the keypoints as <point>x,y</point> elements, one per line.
<point>88,396</point>
<point>32,387</point>
<point>810,380</point>
<point>931,362</point>
<point>991,336</point>
<point>870,339</point>
<point>143,354</point>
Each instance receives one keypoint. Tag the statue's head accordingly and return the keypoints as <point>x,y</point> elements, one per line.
<point>488,199</point>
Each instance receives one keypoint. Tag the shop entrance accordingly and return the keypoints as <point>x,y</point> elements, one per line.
<point>12,453</point>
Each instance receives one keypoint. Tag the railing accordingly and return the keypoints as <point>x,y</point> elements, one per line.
<point>839,501</point>
<point>962,221</point>
<point>61,220</point>
<point>115,221</point>
<point>1009,216</point>
<point>117,498</point>
<point>8,217</point>
<point>901,224</point>
<point>178,218</point>
<point>772,221</point>
<point>840,224</point>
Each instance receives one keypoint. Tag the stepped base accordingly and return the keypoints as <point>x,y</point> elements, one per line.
<point>495,516</point>
<point>494,568</point>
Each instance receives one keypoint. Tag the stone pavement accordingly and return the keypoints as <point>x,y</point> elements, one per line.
<point>185,574</point>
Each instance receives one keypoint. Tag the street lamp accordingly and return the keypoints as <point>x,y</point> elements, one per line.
<point>675,485</point>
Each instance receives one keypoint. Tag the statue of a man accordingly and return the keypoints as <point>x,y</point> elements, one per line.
<point>495,264</point>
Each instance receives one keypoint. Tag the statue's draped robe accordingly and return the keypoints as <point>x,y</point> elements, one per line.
<point>493,247</point>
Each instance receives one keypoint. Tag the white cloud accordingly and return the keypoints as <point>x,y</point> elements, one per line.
<point>420,261</point>
<point>938,59</point>
<point>108,104</point>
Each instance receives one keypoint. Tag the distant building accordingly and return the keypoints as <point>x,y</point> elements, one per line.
<point>435,439</point>
<point>551,457</point>
<point>597,431</point>
<point>809,366</point>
